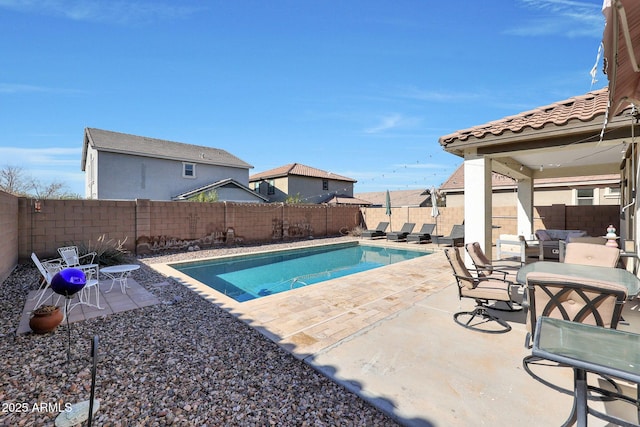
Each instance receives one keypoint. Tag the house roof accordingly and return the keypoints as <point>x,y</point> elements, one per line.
<point>222,183</point>
<point>116,142</point>
<point>346,200</point>
<point>418,197</point>
<point>583,108</point>
<point>300,170</point>
<point>455,182</point>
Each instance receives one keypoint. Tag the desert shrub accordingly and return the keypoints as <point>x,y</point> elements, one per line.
<point>108,252</point>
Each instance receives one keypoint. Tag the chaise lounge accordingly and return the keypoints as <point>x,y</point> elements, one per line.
<point>379,231</point>
<point>424,235</point>
<point>455,237</point>
<point>403,233</point>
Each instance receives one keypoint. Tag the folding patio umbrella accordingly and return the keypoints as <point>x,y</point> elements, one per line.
<point>435,213</point>
<point>388,203</point>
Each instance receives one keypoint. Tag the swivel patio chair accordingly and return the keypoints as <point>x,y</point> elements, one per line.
<point>402,234</point>
<point>484,290</point>
<point>591,254</point>
<point>485,267</point>
<point>424,235</point>
<point>379,231</point>
<point>455,237</point>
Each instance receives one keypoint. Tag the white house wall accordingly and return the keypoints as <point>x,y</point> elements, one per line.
<point>135,177</point>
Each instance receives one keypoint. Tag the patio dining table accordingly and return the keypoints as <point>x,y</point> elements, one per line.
<point>607,274</point>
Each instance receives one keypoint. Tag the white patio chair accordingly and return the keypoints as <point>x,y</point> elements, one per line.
<point>71,257</point>
<point>47,269</point>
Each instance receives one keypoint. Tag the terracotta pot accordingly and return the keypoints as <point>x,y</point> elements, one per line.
<point>43,321</point>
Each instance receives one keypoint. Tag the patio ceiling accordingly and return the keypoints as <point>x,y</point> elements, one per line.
<point>558,140</point>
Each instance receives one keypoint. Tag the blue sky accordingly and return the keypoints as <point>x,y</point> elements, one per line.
<point>362,88</point>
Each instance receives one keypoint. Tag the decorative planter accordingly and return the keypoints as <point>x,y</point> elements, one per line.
<point>45,319</point>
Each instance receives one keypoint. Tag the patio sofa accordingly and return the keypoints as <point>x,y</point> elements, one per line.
<point>550,241</point>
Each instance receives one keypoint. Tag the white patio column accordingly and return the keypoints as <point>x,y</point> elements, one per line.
<point>525,207</point>
<point>477,201</point>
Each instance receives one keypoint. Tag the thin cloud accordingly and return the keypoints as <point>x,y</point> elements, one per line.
<point>569,18</point>
<point>29,158</point>
<point>392,121</point>
<point>15,88</point>
<point>120,12</point>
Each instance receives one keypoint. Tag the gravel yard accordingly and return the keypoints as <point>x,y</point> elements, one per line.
<point>182,362</point>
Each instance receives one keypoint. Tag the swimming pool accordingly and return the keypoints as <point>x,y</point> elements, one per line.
<point>247,277</point>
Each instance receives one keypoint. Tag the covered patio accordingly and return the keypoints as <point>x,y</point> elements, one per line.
<point>588,134</point>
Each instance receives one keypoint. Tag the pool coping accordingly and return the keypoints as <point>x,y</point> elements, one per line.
<point>306,320</point>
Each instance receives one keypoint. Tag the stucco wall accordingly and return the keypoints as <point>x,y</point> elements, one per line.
<point>127,177</point>
<point>8,234</point>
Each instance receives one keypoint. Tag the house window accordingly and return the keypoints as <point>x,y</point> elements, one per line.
<point>272,188</point>
<point>584,196</point>
<point>325,184</point>
<point>612,192</point>
<point>188,170</point>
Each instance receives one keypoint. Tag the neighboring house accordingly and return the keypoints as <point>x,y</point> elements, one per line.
<point>228,190</point>
<point>122,166</point>
<point>571,191</point>
<point>310,184</point>
<point>413,198</point>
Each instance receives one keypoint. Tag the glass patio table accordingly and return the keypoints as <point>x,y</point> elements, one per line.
<point>590,349</point>
<point>607,274</point>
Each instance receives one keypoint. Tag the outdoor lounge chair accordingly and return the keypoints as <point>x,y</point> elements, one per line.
<point>424,235</point>
<point>379,231</point>
<point>455,237</point>
<point>484,290</point>
<point>403,233</point>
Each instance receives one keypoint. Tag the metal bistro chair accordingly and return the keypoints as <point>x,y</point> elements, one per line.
<point>72,259</point>
<point>484,290</point>
<point>575,299</point>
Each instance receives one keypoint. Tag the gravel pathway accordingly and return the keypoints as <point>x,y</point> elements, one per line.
<point>184,362</point>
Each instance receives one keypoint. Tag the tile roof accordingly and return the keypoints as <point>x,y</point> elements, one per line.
<point>300,170</point>
<point>455,182</point>
<point>116,142</point>
<point>418,197</point>
<point>582,108</point>
<point>346,200</point>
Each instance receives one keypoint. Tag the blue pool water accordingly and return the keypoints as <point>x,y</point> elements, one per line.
<point>254,276</point>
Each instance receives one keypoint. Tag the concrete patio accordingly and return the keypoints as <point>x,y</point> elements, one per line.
<point>388,335</point>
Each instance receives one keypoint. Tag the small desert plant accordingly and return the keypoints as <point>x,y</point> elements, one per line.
<point>356,231</point>
<point>108,252</point>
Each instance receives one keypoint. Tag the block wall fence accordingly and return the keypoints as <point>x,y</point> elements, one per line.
<point>147,226</point>
<point>9,231</point>
<point>592,219</point>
